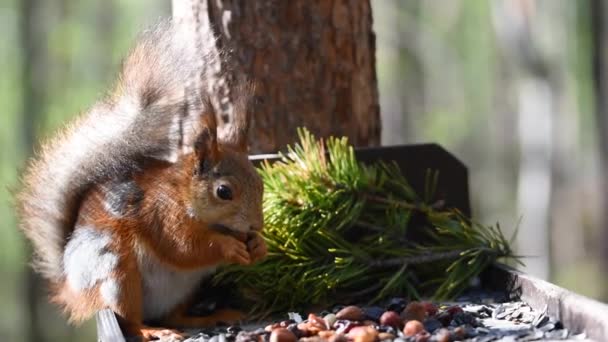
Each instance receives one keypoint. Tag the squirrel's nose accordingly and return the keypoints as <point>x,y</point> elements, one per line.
<point>255,228</point>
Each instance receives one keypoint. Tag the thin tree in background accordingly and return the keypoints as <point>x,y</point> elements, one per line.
<point>401,51</point>
<point>536,96</point>
<point>312,63</point>
<point>33,77</point>
<point>599,29</point>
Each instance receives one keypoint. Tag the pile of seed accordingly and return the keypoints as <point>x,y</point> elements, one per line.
<point>400,321</point>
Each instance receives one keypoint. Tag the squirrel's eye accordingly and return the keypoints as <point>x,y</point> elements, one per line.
<point>224,192</point>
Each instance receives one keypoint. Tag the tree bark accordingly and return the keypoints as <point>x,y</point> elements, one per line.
<point>312,64</point>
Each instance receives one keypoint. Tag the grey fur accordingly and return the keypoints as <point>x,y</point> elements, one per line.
<point>153,112</point>
<point>87,259</point>
<point>122,197</point>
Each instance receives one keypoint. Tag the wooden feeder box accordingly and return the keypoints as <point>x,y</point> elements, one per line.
<point>577,313</point>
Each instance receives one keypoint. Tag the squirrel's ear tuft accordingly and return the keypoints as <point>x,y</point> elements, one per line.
<point>205,145</point>
<point>236,133</point>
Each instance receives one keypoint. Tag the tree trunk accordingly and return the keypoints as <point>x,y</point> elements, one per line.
<point>312,64</point>
<point>400,33</point>
<point>537,94</point>
<point>32,93</point>
<point>599,32</point>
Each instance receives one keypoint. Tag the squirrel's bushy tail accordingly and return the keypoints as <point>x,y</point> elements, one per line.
<point>147,115</point>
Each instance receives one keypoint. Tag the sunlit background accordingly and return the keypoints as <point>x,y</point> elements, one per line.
<point>506,86</point>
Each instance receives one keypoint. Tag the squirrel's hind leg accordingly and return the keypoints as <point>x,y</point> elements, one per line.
<point>90,269</point>
<point>98,276</point>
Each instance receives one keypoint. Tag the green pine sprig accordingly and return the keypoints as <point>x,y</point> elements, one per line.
<point>338,230</point>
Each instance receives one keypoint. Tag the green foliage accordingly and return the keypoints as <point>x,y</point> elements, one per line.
<point>338,230</point>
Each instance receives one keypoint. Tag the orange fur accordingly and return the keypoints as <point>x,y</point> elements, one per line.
<point>175,238</point>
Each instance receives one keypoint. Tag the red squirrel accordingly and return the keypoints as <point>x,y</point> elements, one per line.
<point>131,205</point>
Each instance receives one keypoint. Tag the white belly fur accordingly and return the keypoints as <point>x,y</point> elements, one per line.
<point>165,287</point>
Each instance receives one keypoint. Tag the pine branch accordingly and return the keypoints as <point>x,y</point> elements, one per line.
<point>436,205</point>
<point>336,228</point>
<point>417,259</point>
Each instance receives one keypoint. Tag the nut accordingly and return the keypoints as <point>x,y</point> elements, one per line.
<point>412,328</point>
<point>392,319</point>
<point>460,332</point>
<point>363,334</point>
<point>352,313</point>
<point>431,309</point>
<point>282,335</point>
<point>414,311</point>
<point>317,323</point>
<point>454,309</point>
<point>271,327</point>
<point>443,335</point>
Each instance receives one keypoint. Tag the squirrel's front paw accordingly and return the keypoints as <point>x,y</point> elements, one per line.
<point>235,251</point>
<point>256,246</point>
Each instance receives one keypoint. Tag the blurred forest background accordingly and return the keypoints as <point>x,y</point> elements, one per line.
<point>505,85</point>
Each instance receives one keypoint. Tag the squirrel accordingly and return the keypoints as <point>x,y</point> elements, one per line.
<point>131,205</point>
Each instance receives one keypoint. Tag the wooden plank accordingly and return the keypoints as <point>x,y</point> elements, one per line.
<point>577,313</point>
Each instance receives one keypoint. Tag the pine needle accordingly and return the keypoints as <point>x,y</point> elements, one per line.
<point>337,232</point>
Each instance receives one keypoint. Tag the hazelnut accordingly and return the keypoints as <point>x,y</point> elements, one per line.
<point>412,328</point>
